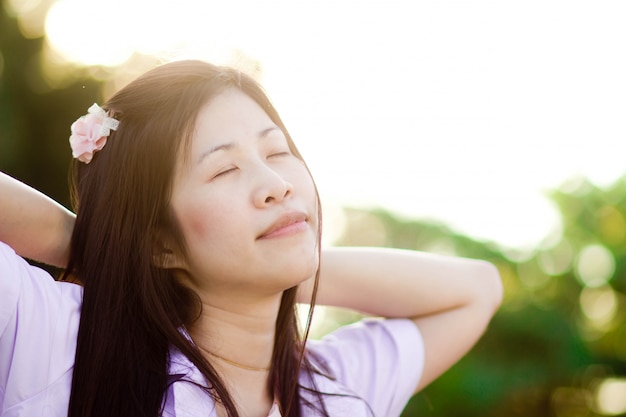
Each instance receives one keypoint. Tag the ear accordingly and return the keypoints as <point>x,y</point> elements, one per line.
<point>164,256</point>
<point>167,260</point>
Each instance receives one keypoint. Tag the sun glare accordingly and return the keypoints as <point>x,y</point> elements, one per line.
<point>88,32</point>
<point>84,34</point>
<point>455,113</point>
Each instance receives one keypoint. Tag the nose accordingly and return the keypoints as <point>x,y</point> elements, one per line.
<point>271,188</point>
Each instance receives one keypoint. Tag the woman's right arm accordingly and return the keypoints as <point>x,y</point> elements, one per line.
<point>33,224</point>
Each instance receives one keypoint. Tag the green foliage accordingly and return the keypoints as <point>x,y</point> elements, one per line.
<point>561,330</point>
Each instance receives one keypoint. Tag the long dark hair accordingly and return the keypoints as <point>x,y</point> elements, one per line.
<point>133,310</point>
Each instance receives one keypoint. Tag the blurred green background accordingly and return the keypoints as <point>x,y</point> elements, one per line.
<point>557,347</point>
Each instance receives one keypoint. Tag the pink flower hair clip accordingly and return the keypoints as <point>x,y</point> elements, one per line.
<point>90,132</point>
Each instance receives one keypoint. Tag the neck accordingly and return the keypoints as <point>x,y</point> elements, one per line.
<point>236,364</point>
<point>237,332</point>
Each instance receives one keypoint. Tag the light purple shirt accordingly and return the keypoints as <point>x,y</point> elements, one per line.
<point>376,363</point>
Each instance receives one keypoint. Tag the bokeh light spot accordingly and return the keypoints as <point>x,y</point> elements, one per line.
<point>611,396</point>
<point>595,266</point>
<point>30,15</point>
<point>599,305</point>
<point>18,7</point>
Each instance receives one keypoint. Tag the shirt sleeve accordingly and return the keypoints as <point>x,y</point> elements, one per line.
<point>38,325</point>
<point>381,361</point>
<point>9,288</point>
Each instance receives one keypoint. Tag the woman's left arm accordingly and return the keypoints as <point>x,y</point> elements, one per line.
<point>450,299</point>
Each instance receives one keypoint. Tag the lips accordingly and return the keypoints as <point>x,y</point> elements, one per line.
<point>286,224</point>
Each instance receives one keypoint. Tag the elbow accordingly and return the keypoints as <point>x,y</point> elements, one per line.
<point>490,290</point>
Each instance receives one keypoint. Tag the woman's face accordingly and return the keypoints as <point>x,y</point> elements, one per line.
<point>246,205</point>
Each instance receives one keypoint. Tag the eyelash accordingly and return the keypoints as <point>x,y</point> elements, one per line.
<point>226,171</point>
<point>277,154</point>
<point>283,153</point>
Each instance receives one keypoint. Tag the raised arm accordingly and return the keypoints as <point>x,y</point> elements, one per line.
<point>34,225</point>
<point>450,299</point>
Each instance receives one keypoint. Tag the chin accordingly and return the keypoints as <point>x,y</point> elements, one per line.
<point>296,274</point>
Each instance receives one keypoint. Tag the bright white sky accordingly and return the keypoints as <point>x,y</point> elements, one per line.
<point>463,111</point>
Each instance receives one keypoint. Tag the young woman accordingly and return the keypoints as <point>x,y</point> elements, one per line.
<point>197,231</point>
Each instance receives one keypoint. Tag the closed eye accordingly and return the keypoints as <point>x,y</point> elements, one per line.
<point>279,154</point>
<point>225,172</point>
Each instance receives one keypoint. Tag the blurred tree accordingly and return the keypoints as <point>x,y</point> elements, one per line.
<point>34,115</point>
<point>561,331</point>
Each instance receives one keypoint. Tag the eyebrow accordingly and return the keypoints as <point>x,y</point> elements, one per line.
<point>228,146</point>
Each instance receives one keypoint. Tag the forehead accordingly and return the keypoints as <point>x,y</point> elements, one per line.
<point>227,117</point>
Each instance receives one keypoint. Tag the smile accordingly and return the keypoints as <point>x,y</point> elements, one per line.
<point>286,225</point>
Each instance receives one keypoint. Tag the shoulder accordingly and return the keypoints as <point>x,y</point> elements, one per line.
<point>39,320</point>
<point>378,360</point>
<point>25,286</point>
<point>377,339</point>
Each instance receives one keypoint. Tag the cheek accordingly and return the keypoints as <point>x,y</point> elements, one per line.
<point>306,188</point>
<point>200,219</point>
<point>303,183</point>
